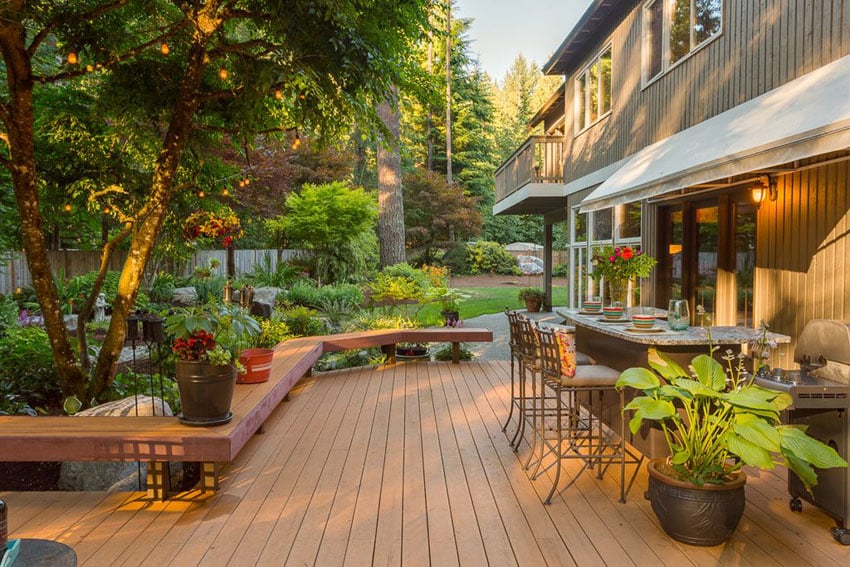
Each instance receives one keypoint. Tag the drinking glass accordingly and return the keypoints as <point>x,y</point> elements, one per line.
<point>678,315</point>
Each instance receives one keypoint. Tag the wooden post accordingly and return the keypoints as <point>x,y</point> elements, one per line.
<point>159,480</point>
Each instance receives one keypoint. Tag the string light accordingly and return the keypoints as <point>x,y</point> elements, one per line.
<point>201,194</point>
<point>164,48</point>
<point>278,94</point>
<point>89,68</point>
<point>106,210</point>
<point>297,141</point>
<point>72,58</point>
<point>225,192</point>
<point>222,73</point>
<point>247,181</point>
<point>67,207</point>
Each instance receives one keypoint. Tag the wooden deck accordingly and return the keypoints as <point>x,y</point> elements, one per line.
<point>404,465</point>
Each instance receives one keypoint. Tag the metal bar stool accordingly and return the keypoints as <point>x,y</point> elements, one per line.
<point>513,343</point>
<point>571,430</point>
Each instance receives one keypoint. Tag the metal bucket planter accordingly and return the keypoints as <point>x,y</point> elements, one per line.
<point>206,391</point>
<point>697,515</point>
<point>258,365</point>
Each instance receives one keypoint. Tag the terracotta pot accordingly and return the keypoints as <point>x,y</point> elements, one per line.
<point>697,515</point>
<point>532,304</point>
<point>258,365</point>
<point>206,391</point>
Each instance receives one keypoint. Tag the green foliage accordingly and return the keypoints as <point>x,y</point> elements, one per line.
<point>209,289</point>
<point>232,327</point>
<point>561,271</point>
<point>531,293</point>
<point>456,259</point>
<point>371,320</point>
<point>443,353</point>
<point>399,283</point>
<point>8,312</point>
<point>349,359</point>
<point>267,273</point>
<point>490,258</point>
<point>26,366</point>
<point>707,421</point>
<point>303,321</point>
<point>162,288</point>
<point>272,332</point>
<point>325,218</point>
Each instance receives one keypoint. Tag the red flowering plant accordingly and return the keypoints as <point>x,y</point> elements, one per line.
<point>621,263</point>
<point>215,226</point>
<point>213,332</point>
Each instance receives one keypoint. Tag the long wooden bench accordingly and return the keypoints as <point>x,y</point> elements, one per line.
<point>160,440</point>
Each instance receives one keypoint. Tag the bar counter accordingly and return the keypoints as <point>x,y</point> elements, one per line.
<point>612,344</point>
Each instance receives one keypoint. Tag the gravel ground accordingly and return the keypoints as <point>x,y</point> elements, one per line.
<point>498,323</point>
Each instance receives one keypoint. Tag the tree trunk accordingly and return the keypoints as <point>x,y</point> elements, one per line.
<point>18,118</point>
<point>390,199</point>
<point>449,93</point>
<point>153,214</point>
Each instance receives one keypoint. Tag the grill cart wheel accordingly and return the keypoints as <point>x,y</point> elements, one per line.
<point>841,535</point>
<point>796,504</point>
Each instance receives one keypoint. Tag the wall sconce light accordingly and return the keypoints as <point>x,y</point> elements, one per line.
<point>763,189</point>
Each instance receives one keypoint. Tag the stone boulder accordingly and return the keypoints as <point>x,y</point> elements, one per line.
<point>115,475</point>
<point>184,296</point>
<point>266,294</point>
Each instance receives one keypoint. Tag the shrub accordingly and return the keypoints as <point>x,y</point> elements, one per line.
<point>367,321</point>
<point>349,359</point>
<point>264,273</point>
<point>561,271</point>
<point>490,258</point>
<point>162,288</point>
<point>457,259</point>
<point>26,366</point>
<point>400,283</point>
<point>8,312</point>
<point>303,322</point>
<point>272,332</point>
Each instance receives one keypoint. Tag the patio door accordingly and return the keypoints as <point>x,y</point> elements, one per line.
<point>707,256</point>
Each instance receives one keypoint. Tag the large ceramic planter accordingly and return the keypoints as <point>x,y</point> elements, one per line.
<point>206,391</point>
<point>698,515</point>
<point>258,365</point>
<point>533,304</point>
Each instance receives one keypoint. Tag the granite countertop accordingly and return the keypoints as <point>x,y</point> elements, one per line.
<point>665,336</point>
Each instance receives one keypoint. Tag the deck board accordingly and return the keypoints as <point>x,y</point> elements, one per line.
<point>405,465</point>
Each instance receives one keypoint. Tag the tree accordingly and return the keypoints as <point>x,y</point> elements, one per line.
<point>437,214</point>
<point>209,69</point>
<point>390,198</point>
<point>325,219</point>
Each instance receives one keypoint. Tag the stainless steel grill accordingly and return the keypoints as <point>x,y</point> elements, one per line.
<point>820,391</point>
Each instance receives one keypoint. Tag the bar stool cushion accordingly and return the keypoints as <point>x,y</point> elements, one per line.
<point>584,359</point>
<point>595,376</point>
<point>567,352</point>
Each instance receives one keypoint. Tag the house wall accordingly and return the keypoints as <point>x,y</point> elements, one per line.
<point>764,44</point>
<point>803,255</point>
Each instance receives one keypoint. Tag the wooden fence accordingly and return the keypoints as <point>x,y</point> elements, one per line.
<point>69,263</point>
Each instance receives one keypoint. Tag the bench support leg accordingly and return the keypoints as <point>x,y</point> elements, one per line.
<point>159,480</point>
<point>455,353</point>
<point>209,477</point>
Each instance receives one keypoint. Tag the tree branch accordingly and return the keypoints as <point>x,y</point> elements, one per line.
<point>85,16</point>
<point>115,60</point>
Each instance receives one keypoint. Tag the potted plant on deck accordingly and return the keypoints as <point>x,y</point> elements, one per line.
<point>533,298</point>
<point>208,341</point>
<point>449,300</point>
<point>715,420</point>
<point>257,360</point>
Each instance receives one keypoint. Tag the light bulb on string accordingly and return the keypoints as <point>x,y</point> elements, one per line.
<point>67,207</point>
<point>164,49</point>
<point>106,210</point>
<point>72,58</point>
<point>201,194</point>
<point>222,73</point>
<point>297,141</point>
<point>225,192</point>
<point>278,94</point>
<point>89,68</point>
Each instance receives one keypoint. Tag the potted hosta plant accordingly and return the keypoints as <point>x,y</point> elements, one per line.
<point>533,298</point>
<point>715,420</point>
<point>207,341</point>
<point>449,300</point>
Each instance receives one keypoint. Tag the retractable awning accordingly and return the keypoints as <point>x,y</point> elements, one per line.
<point>806,117</point>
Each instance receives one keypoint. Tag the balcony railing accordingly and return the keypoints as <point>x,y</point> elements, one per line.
<point>538,160</point>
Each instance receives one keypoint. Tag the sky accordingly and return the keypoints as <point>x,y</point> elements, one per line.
<point>502,29</point>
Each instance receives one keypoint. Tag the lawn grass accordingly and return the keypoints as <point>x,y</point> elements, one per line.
<point>480,301</point>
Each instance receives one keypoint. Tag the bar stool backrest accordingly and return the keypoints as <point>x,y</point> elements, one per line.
<point>513,326</point>
<point>527,338</point>
<point>550,353</point>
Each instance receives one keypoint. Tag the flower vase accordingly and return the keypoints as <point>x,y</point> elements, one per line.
<point>617,291</point>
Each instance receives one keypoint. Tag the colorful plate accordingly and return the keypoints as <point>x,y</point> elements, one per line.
<point>621,320</point>
<point>649,330</point>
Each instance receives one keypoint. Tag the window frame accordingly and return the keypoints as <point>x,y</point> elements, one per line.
<point>581,108</point>
<point>666,24</point>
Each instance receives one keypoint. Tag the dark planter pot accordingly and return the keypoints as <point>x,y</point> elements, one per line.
<point>451,317</point>
<point>532,304</point>
<point>258,365</point>
<point>697,515</point>
<point>206,391</point>
<point>412,353</point>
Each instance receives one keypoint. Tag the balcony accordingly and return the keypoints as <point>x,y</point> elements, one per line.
<point>530,180</point>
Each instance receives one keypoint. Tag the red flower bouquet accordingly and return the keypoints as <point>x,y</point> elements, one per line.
<point>207,224</point>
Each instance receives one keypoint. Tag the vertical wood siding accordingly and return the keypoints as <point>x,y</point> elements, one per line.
<point>803,255</point>
<point>764,44</point>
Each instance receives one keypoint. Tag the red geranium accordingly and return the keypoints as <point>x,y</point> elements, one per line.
<point>195,346</point>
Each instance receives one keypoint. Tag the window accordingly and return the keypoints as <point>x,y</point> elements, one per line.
<point>673,29</point>
<point>593,91</point>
